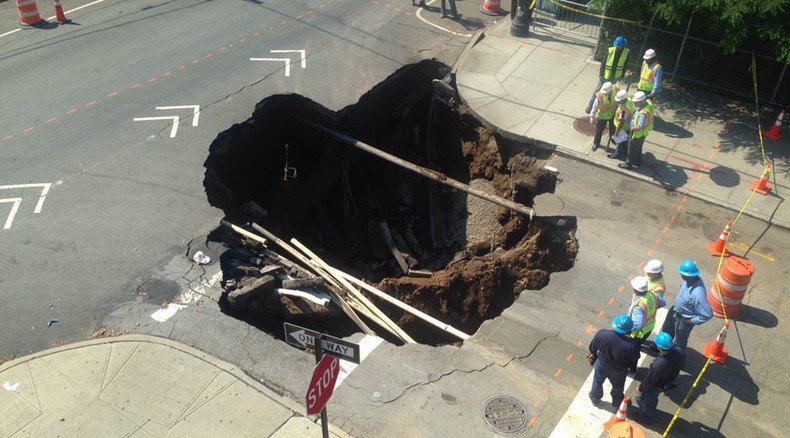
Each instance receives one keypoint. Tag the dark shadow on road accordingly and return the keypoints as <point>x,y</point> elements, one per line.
<point>758,317</point>
<point>732,377</point>
<point>669,175</point>
<point>681,427</point>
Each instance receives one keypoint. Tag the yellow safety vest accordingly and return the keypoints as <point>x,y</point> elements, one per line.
<point>648,305</point>
<point>606,104</point>
<point>657,286</point>
<point>652,110</point>
<point>607,74</point>
<point>639,133</point>
<point>624,114</point>
<point>647,77</point>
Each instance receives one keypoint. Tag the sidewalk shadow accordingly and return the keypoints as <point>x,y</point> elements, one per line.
<point>724,176</point>
<point>681,427</point>
<point>669,175</point>
<point>672,130</point>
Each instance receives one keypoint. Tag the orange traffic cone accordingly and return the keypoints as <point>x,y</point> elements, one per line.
<point>627,429</point>
<point>716,351</point>
<point>620,416</point>
<point>60,17</point>
<point>717,248</point>
<point>775,133</point>
<point>28,13</point>
<point>761,186</point>
<point>491,7</point>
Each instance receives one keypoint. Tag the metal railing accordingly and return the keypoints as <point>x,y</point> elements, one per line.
<point>551,13</point>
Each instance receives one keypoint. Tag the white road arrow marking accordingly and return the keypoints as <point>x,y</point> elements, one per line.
<point>286,60</point>
<point>44,190</point>
<point>10,219</point>
<point>173,130</point>
<point>195,111</point>
<point>302,52</point>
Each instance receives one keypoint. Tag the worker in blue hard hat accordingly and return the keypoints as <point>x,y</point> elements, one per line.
<point>612,67</point>
<point>660,376</point>
<point>691,305</point>
<point>614,354</point>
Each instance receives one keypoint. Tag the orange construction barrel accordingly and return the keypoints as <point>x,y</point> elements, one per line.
<point>28,13</point>
<point>730,287</point>
<point>626,429</point>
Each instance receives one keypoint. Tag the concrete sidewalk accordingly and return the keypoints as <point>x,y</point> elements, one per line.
<point>702,145</point>
<point>141,386</point>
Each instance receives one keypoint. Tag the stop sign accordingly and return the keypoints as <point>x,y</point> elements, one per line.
<point>322,384</point>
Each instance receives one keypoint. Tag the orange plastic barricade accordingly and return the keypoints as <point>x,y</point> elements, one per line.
<point>730,287</point>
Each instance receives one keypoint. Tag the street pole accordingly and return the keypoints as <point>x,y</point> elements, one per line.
<point>521,18</point>
<point>318,354</point>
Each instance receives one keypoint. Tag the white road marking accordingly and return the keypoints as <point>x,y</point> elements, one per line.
<point>10,219</point>
<point>44,190</point>
<point>419,16</point>
<point>301,51</point>
<point>54,16</point>
<point>165,313</point>
<point>583,419</point>
<point>173,130</point>
<point>366,346</point>
<point>190,295</point>
<point>10,386</point>
<point>286,60</point>
<point>195,111</point>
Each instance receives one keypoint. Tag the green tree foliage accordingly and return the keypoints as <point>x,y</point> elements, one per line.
<point>759,25</point>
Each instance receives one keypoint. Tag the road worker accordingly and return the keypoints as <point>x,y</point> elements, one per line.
<point>650,75</point>
<point>622,123</point>
<point>660,376</point>
<point>641,125</point>
<point>612,68</point>
<point>602,111</point>
<point>642,311</point>
<point>654,271</point>
<point>615,353</point>
<point>691,305</point>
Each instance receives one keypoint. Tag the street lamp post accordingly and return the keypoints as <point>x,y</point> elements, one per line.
<point>521,17</point>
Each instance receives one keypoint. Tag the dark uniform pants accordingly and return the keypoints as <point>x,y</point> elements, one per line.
<point>453,10</point>
<point>635,151</point>
<point>616,378</point>
<point>599,131</point>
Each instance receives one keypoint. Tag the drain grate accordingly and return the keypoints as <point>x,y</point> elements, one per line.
<point>582,125</point>
<point>505,414</point>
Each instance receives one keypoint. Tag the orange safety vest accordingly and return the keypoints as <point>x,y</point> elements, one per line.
<point>647,77</point>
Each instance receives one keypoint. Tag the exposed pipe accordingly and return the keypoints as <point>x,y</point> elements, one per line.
<point>305,295</point>
<point>428,173</point>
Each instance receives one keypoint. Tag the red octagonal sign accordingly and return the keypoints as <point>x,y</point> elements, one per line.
<point>322,384</point>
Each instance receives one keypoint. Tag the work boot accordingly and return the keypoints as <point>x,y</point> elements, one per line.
<point>588,109</point>
<point>625,166</point>
<point>615,156</point>
<point>595,147</point>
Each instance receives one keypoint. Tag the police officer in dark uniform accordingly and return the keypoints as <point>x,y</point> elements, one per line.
<point>661,375</point>
<point>615,354</point>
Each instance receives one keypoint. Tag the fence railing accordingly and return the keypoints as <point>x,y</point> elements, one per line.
<point>552,14</point>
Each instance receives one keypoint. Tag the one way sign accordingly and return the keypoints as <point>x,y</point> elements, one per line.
<point>302,337</point>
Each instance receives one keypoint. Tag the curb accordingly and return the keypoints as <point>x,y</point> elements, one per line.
<point>233,370</point>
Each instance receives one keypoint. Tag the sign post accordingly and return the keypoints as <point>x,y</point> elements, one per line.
<point>331,386</point>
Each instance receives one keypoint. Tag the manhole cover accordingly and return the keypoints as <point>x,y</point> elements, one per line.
<point>583,126</point>
<point>505,414</point>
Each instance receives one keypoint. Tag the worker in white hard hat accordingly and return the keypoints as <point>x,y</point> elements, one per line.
<point>654,271</point>
<point>622,124</point>
<point>602,111</point>
<point>650,76</point>
<point>642,311</point>
<point>641,125</point>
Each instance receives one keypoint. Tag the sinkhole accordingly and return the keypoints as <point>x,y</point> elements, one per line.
<point>463,260</point>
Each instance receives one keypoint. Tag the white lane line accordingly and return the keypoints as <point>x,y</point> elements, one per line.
<point>286,60</point>
<point>301,52</point>
<point>54,16</point>
<point>190,295</point>
<point>583,419</point>
<point>41,198</point>
<point>419,15</point>
<point>366,346</point>
<point>165,313</point>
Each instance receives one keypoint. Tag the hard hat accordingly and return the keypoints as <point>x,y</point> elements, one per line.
<point>639,96</point>
<point>649,54</point>
<point>664,341</point>
<point>622,324</point>
<point>639,284</point>
<point>619,42</point>
<point>654,267</point>
<point>621,96</point>
<point>607,87</point>
<point>688,269</point>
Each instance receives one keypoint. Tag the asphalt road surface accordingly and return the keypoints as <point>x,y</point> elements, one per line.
<point>92,201</point>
